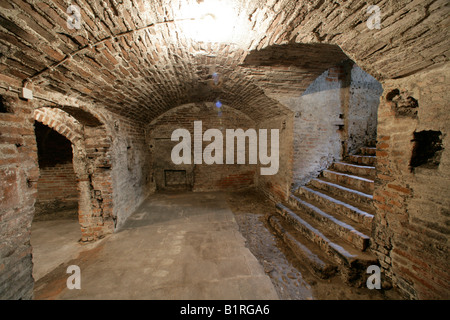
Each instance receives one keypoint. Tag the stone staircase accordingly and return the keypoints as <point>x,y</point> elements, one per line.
<point>328,222</point>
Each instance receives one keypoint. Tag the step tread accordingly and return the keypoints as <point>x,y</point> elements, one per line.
<point>336,217</point>
<point>362,159</point>
<point>327,238</point>
<point>363,155</point>
<point>303,248</point>
<point>369,148</point>
<point>355,165</point>
<point>345,250</point>
<point>359,206</point>
<point>350,168</point>
<point>363,213</point>
<point>352,176</point>
<point>344,225</point>
<point>344,188</point>
<point>349,180</point>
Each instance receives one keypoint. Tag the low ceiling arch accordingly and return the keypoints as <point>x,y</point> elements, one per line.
<point>142,74</point>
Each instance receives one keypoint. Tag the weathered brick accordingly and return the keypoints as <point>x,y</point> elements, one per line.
<point>164,69</point>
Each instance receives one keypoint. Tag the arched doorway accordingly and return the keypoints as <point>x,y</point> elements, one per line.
<point>55,228</point>
<point>73,204</point>
<point>91,163</point>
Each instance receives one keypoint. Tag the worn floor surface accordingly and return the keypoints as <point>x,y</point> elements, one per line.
<point>175,246</point>
<point>183,246</point>
<point>291,277</point>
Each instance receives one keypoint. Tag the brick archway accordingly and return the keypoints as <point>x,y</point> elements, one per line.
<point>93,174</point>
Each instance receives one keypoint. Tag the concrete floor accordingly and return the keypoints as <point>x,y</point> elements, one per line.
<point>54,242</point>
<point>175,246</point>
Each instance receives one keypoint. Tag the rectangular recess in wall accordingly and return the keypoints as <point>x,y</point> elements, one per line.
<point>175,178</point>
<point>3,107</point>
<point>427,149</point>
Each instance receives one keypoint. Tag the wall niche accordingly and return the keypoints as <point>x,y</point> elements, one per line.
<point>427,149</point>
<point>403,104</point>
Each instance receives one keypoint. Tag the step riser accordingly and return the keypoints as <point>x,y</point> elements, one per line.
<point>357,239</point>
<point>351,269</point>
<point>351,196</point>
<point>355,170</point>
<point>367,151</point>
<point>317,238</point>
<point>363,218</point>
<point>363,160</point>
<point>320,268</point>
<point>353,182</point>
<point>304,230</point>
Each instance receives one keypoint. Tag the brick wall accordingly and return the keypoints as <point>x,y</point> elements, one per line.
<point>336,115</point>
<point>335,74</point>
<point>109,161</point>
<point>316,120</point>
<point>205,177</point>
<point>99,217</point>
<point>57,189</point>
<point>364,93</point>
<point>411,223</point>
<point>102,169</point>
<point>130,171</point>
<point>18,176</point>
<point>92,165</point>
<point>57,184</point>
<point>278,186</point>
<point>226,176</point>
<point>127,76</point>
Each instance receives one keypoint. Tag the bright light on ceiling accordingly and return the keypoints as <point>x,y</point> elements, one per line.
<point>213,21</point>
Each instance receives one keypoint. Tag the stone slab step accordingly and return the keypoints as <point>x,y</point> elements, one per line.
<point>303,249</point>
<point>368,151</point>
<point>358,170</point>
<point>324,200</point>
<point>335,251</point>
<point>343,192</point>
<point>365,160</point>
<point>352,181</point>
<point>352,263</point>
<point>336,225</point>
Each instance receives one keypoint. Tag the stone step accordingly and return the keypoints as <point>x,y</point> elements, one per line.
<point>324,200</point>
<point>335,251</point>
<point>351,262</point>
<point>355,182</point>
<point>334,224</point>
<point>344,192</point>
<point>362,171</point>
<point>364,160</point>
<point>303,250</point>
<point>368,151</point>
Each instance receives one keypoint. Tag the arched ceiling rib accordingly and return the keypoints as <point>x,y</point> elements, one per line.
<point>143,74</point>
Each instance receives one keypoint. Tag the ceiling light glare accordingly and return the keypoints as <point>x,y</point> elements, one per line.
<point>212,21</point>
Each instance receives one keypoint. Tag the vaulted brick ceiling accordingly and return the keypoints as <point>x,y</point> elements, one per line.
<point>275,46</point>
